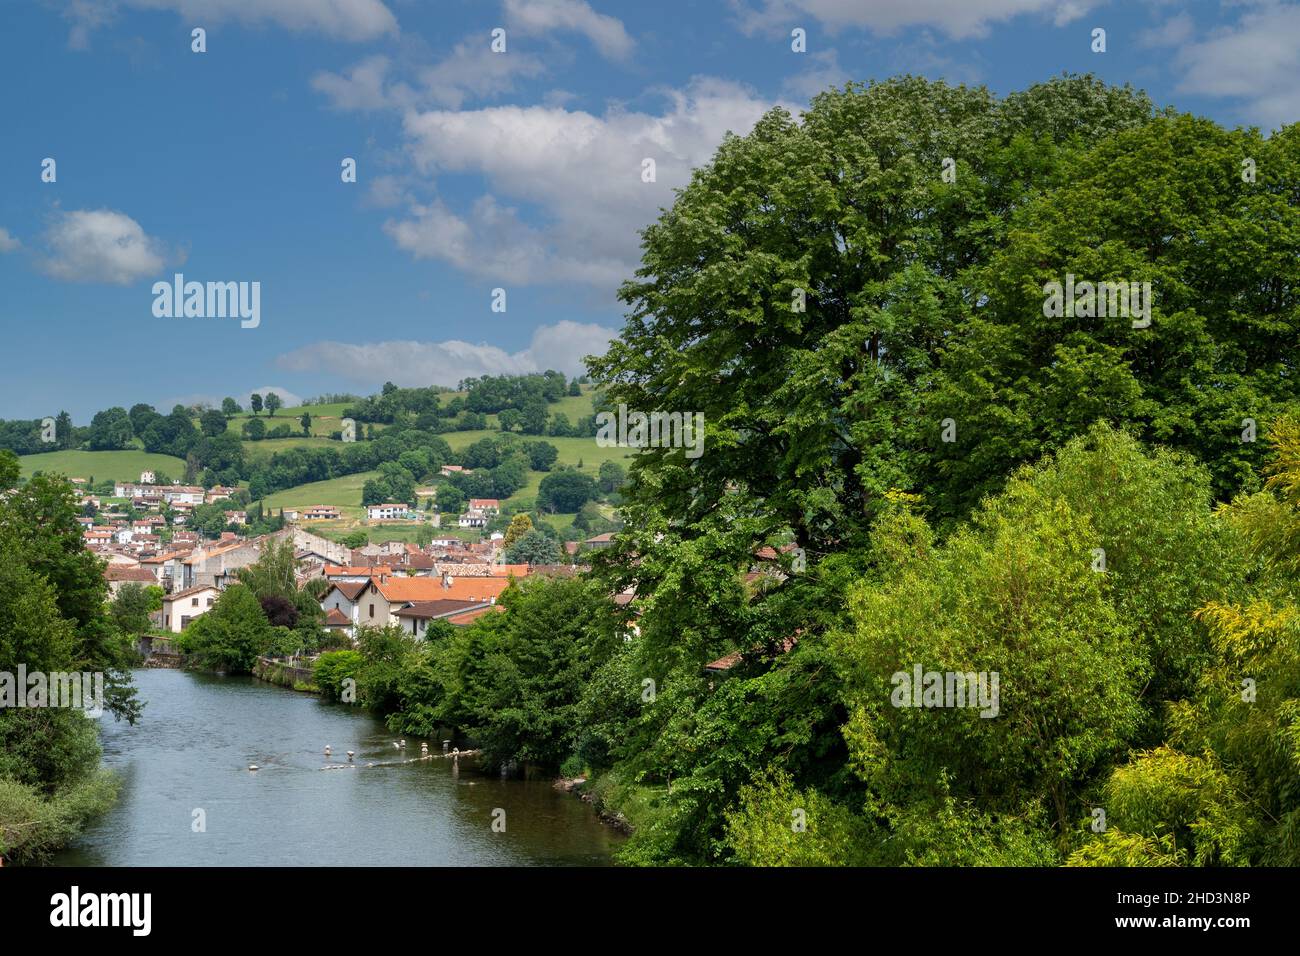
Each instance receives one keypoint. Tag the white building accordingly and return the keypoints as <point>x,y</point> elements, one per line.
<point>182,607</point>
<point>386,511</point>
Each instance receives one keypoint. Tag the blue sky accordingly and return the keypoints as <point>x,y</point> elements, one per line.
<point>476,170</point>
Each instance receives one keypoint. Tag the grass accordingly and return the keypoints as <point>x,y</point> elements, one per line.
<point>101,465</point>
<point>344,493</point>
<point>256,450</point>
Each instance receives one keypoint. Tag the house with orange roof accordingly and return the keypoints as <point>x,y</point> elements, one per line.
<point>381,598</point>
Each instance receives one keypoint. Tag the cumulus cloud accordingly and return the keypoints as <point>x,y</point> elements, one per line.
<point>7,242</point>
<point>606,33</point>
<point>470,71</point>
<point>101,246</point>
<point>957,18</point>
<point>364,86</point>
<point>287,398</point>
<point>568,206</point>
<point>355,20</point>
<point>561,346</point>
<point>823,72</point>
<point>1173,32</point>
<point>1255,60</point>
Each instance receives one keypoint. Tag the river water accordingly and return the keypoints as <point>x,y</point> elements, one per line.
<point>199,734</point>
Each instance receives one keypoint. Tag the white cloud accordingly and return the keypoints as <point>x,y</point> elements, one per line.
<point>822,73</point>
<point>86,16</point>
<point>364,87</point>
<point>7,242</point>
<point>355,20</point>
<point>470,71</point>
<point>101,246</point>
<point>1174,32</point>
<point>1256,60</point>
<point>411,363</point>
<point>578,176</point>
<point>287,398</point>
<point>957,18</point>
<point>473,70</point>
<point>606,33</point>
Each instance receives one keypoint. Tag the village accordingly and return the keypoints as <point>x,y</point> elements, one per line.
<point>379,584</point>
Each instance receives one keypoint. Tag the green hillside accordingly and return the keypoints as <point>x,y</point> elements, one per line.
<point>344,493</point>
<point>101,465</point>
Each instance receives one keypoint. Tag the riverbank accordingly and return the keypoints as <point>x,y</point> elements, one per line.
<point>286,675</point>
<point>597,799</point>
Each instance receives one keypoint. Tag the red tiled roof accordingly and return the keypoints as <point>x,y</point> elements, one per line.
<point>432,609</point>
<point>405,590</point>
<point>731,660</point>
<point>349,589</point>
<point>336,618</point>
<point>119,573</point>
<point>469,617</point>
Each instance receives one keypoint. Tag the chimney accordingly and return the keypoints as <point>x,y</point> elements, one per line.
<point>446,579</point>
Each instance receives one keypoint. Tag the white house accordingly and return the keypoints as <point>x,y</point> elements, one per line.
<point>341,607</point>
<point>386,511</point>
<point>147,478</point>
<point>184,606</point>
<point>472,519</point>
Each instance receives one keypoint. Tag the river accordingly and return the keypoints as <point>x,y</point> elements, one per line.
<point>198,735</point>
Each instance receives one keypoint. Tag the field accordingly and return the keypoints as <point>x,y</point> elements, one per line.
<point>101,465</point>
<point>255,450</point>
<point>343,492</point>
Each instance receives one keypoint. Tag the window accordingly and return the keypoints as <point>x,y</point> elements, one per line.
<point>194,602</point>
<point>372,610</point>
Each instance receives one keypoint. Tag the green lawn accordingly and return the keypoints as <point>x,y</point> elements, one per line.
<point>255,450</point>
<point>344,493</point>
<point>101,465</point>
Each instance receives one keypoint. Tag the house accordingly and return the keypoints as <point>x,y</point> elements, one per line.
<point>472,519</point>
<point>340,605</point>
<point>357,574</point>
<point>117,576</point>
<point>321,549</point>
<point>387,511</point>
<point>183,494</point>
<point>147,478</point>
<point>167,567</point>
<point>380,600</point>
<point>290,514</point>
<point>489,506</point>
<point>218,493</point>
<point>235,517</point>
<point>182,607</point>
<point>448,470</point>
<point>414,618</point>
<point>320,513</point>
<point>600,541</point>
<point>217,563</point>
